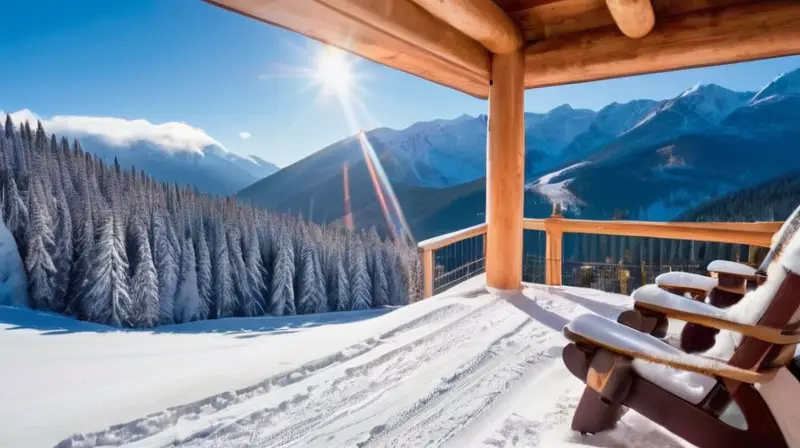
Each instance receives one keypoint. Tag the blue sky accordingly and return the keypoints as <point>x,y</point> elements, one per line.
<point>185,60</point>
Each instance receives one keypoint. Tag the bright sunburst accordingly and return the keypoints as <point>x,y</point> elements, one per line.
<point>333,70</point>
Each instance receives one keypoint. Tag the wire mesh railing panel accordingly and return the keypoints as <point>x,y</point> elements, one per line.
<point>533,256</point>
<point>458,262</point>
<point>620,264</point>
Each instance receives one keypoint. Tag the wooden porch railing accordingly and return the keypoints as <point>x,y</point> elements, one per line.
<point>752,234</point>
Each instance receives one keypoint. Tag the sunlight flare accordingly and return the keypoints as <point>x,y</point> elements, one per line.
<point>333,70</point>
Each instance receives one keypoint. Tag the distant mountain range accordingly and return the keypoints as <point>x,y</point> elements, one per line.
<point>212,169</point>
<point>172,152</point>
<point>651,159</point>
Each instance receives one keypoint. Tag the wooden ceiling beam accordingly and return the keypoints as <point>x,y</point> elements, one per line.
<point>482,20</point>
<point>395,33</point>
<point>756,30</point>
<point>635,18</point>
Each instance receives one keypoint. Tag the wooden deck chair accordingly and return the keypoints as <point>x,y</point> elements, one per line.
<point>724,288</point>
<point>699,397</point>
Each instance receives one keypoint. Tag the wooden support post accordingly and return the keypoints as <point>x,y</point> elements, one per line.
<point>553,250</point>
<point>427,272</point>
<point>505,164</point>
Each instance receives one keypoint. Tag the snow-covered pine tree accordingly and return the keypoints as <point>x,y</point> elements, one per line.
<point>188,301</point>
<point>38,262</point>
<point>144,281</point>
<point>224,294</point>
<point>341,294</point>
<point>256,288</point>
<point>398,290</point>
<point>282,289</point>
<point>167,265</point>
<point>360,283</point>
<point>311,295</point>
<point>63,256</point>
<point>238,271</point>
<point>380,283</point>
<point>204,279</point>
<point>108,298</point>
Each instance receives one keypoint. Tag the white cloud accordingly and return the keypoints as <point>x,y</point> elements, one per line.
<point>244,135</point>
<point>175,136</point>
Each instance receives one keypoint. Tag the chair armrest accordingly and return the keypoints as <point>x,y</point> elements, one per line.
<point>686,281</point>
<point>655,299</point>
<point>732,268</point>
<point>593,330</point>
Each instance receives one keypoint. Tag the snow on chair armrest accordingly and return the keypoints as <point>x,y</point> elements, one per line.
<point>653,298</point>
<point>653,295</point>
<point>687,280</point>
<point>598,331</point>
<point>731,268</point>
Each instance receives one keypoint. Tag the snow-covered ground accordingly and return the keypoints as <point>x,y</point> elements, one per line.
<point>462,369</point>
<point>556,192</point>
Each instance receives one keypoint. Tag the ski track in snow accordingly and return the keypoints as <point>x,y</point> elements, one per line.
<point>357,389</point>
<point>143,428</point>
<point>448,378</point>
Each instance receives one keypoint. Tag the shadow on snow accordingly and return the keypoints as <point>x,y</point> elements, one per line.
<point>241,327</point>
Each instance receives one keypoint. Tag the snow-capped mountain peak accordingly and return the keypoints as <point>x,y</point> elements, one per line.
<point>785,84</point>
<point>710,101</point>
<point>171,151</point>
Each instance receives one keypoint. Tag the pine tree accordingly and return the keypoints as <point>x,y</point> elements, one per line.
<point>256,288</point>
<point>204,279</point>
<point>166,262</point>
<point>239,273</point>
<point>224,294</point>
<point>360,283</point>
<point>108,299</point>
<point>282,289</point>
<point>188,301</point>
<point>394,270</point>
<point>380,283</point>
<point>62,258</point>
<point>311,295</point>
<point>144,282</point>
<point>38,262</point>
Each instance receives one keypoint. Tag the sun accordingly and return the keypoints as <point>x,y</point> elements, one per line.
<point>333,70</point>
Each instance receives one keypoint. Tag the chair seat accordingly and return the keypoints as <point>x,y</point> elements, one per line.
<point>653,295</point>
<point>731,267</point>
<point>687,280</point>
<point>689,386</point>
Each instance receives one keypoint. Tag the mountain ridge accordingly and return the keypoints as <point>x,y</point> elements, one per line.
<point>653,158</point>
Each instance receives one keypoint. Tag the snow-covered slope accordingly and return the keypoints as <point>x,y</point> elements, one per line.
<point>785,84</point>
<point>172,152</point>
<point>13,284</point>
<point>557,192</point>
<point>462,369</point>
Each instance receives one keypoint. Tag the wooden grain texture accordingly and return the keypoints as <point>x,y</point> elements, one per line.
<point>409,22</point>
<point>451,238</point>
<point>757,234</point>
<point>394,33</point>
<point>540,19</point>
<point>760,332</point>
<point>505,165</point>
<point>427,272</point>
<point>738,33</point>
<point>635,18</point>
<point>482,20</point>
<point>554,249</point>
<point>717,369</point>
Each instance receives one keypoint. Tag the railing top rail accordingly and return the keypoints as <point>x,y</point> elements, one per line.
<point>452,237</point>
<point>755,233</point>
